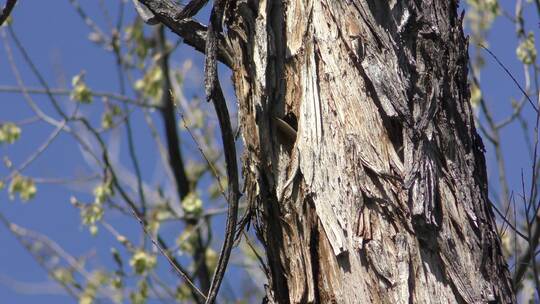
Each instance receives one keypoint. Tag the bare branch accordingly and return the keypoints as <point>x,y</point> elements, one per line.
<point>65,92</point>
<point>6,11</point>
<point>105,159</point>
<point>38,151</point>
<point>512,77</point>
<point>193,33</point>
<point>175,154</point>
<point>192,8</point>
<point>146,15</point>
<point>167,112</point>
<point>215,93</point>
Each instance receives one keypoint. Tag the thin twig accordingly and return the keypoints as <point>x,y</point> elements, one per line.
<point>38,152</point>
<point>131,145</point>
<point>46,118</point>
<point>65,92</point>
<point>88,21</point>
<point>160,244</point>
<point>176,162</point>
<point>531,249</point>
<point>534,237</point>
<point>107,165</point>
<point>167,256</point>
<point>494,137</point>
<point>509,224</point>
<point>18,232</point>
<point>208,161</point>
<point>163,153</point>
<point>511,76</point>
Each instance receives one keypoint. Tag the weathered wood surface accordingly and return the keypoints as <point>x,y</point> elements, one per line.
<point>382,195</point>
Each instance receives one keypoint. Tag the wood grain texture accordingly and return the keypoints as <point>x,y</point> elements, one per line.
<point>382,197</point>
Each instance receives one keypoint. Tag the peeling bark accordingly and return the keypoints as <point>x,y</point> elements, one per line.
<point>362,161</point>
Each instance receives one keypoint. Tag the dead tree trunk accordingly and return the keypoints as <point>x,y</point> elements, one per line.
<point>361,155</point>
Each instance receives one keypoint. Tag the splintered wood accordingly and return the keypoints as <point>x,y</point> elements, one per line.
<point>382,195</point>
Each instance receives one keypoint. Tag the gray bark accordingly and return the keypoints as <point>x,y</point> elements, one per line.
<point>362,161</point>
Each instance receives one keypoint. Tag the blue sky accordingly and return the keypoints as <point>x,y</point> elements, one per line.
<point>56,40</point>
<point>58,44</point>
<point>499,90</point>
